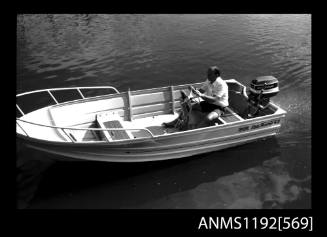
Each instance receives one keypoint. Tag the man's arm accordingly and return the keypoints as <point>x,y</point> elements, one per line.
<point>194,89</point>
<point>210,99</point>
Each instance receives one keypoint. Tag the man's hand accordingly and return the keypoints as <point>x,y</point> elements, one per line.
<point>195,91</point>
<point>198,93</point>
<point>191,88</point>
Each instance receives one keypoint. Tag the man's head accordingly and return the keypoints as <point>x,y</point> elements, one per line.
<point>213,73</point>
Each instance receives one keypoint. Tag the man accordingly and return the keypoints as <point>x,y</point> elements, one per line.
<point>214,93</point>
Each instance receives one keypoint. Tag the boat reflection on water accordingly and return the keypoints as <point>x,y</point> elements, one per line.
<point>233,185</point>
<point>251,176</point>
<point>267,186</point>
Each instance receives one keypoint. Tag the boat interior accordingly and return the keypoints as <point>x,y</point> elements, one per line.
<point>131,115</point>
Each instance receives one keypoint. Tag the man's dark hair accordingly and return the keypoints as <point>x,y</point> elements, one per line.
<point>215,70</point>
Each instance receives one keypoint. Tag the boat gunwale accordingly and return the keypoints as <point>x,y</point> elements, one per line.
<point>193,143</point>
<point>156,138</point>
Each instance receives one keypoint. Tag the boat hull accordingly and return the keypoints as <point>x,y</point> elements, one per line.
<point>179,145</point>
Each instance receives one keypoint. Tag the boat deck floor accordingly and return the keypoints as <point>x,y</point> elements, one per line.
<point>153,124</point>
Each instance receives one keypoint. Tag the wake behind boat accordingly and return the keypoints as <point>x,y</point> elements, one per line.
<point>128,126</point>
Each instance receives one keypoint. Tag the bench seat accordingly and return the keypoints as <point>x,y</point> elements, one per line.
<point>230,116</point>
<point>112,120</point>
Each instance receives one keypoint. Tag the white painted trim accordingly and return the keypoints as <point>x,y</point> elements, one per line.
<point>221,120</point>
<point>52,96</point>
<point>69,88</point>
<point>172,99</point>
<point>130,106</point>
<point>79,91</point>
<point>21,111</point>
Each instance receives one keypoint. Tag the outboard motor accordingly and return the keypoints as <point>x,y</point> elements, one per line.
<point>261,90</point>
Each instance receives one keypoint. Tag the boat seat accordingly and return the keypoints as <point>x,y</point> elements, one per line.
<point>156,130</point>
<point>229,116</point>
<point>111,120</point>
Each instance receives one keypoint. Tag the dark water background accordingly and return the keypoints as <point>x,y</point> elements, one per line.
<point>145,51</point>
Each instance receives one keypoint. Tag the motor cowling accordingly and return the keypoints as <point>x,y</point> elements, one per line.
<point>262,89</point>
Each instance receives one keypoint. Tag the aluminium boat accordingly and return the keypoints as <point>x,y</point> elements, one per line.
<point>128,126</point>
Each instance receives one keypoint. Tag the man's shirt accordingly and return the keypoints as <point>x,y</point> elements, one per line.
<point>218,87</point>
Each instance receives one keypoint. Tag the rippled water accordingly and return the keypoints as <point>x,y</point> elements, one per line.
<point>145,51</point>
